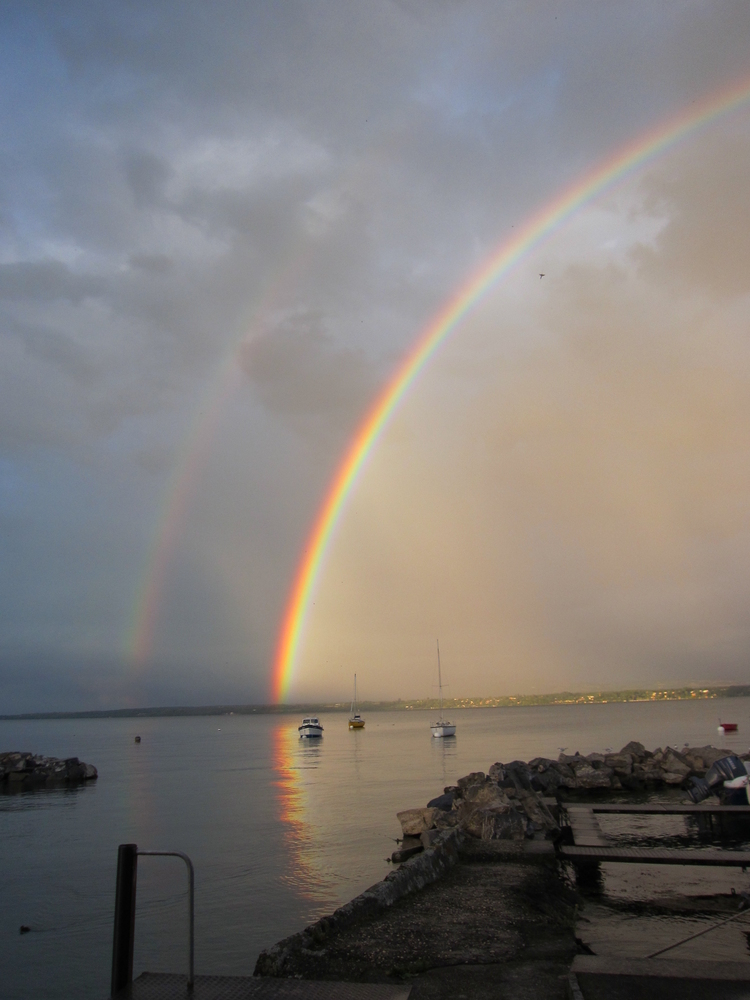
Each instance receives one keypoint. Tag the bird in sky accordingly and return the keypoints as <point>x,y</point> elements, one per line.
<point>541,276</point>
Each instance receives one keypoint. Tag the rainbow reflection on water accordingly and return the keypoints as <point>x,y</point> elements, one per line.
<point>306,874</point>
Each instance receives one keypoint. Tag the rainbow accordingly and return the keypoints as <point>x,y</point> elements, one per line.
<point>186,472</point>
<point>140,639</point>
<point>615,168</point>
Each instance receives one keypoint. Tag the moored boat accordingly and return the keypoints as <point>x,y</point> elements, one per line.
<point>355,719</point>
<point>727,727</point>
<point>442,727</point>
<point>310,729</point>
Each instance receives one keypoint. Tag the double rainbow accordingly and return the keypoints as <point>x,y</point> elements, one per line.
<point>541,225</point>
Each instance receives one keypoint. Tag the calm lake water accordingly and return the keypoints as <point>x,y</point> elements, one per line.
<point>280,831</point>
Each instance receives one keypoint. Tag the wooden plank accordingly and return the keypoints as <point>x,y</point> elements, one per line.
<point>585,828</point>
<point>657,856</point>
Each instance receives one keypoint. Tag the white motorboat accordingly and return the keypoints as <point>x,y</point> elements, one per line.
<point>442,727</point>
<point>310,729</point>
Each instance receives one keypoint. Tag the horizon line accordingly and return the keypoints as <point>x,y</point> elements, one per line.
<point>409,704</point>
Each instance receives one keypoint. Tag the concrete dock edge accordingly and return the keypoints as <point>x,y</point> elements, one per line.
<point>412,875</point>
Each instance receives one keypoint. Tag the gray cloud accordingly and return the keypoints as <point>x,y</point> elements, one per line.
<point>178,179</point>
<point>300,373</point>
<point>45,281</point>
<point>151,263</point>
<point>704,198</point>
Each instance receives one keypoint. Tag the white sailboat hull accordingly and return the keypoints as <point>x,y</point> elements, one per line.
<point>355,719</point>
<point>443,729</point>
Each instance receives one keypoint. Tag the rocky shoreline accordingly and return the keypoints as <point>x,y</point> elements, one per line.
<point>516,801</point>
<point>482,906</point>
<point>20,771</point>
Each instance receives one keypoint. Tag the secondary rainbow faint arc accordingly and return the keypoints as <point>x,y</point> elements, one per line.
<point>542,224</point>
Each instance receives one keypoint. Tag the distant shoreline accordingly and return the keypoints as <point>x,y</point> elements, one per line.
<point>426,704</point>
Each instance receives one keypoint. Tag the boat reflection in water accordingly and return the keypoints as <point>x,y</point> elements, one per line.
<point>305,873</point>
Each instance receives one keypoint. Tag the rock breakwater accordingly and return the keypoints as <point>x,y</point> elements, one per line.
<point>20,771</point>
<point>518,800</point>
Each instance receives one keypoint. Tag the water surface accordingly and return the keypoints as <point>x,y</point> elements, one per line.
<point>280,831</point>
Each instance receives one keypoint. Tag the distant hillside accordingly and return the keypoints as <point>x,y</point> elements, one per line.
<point>424,704</point>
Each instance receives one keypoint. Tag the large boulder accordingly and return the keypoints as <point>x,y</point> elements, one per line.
<point>446,820</point>
<point>540,764</point>
<point>593,777</point>
<point>496,772</point>
<point>547,782</point>
<point>567,774</point>
<point>538,815</point>
<point>621,764</point>
<point>484,795</point>
<point>475,778</point>
<point>517,775</point>
<point>673,778</point>
<point>414,822</point>
<point>496,823</point>
<point>635,749</point>
<point>544,777</point>
<point>444,802</point>
<point>701,758</point>
<point>650,772</point>
<point>674,762</point>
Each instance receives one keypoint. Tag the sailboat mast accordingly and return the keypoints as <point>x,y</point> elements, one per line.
<point>440,679</point>
<point>355,692</point>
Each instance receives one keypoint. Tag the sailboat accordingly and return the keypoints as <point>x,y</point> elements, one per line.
<point>442,727</point>
<point>355,719</point>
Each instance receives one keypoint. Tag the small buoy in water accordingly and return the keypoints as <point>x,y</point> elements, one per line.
<point>23,929</point>
<point>137,739</point>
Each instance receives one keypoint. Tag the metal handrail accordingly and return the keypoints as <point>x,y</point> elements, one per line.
<point>191,904</point>
<point>124,924</point>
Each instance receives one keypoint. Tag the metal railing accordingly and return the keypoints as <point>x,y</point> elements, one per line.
<point>124,930</point>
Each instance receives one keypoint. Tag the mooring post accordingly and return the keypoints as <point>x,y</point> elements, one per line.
<point>124,932</point>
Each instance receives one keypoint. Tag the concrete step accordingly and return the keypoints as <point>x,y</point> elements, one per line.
<point>165,986</point>
<point>598,977</point>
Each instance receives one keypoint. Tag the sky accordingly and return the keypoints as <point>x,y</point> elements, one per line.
<point>221,227</point>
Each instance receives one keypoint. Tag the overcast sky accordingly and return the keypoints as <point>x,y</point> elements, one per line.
<point>221,226</point>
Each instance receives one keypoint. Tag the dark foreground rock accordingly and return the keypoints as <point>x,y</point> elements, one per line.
<point>499,922</point>
<point>20,771</point>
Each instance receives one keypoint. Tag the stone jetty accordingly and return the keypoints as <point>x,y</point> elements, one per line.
<point>484,906</point>
<point>19,771</point>
<point>515,801</point>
